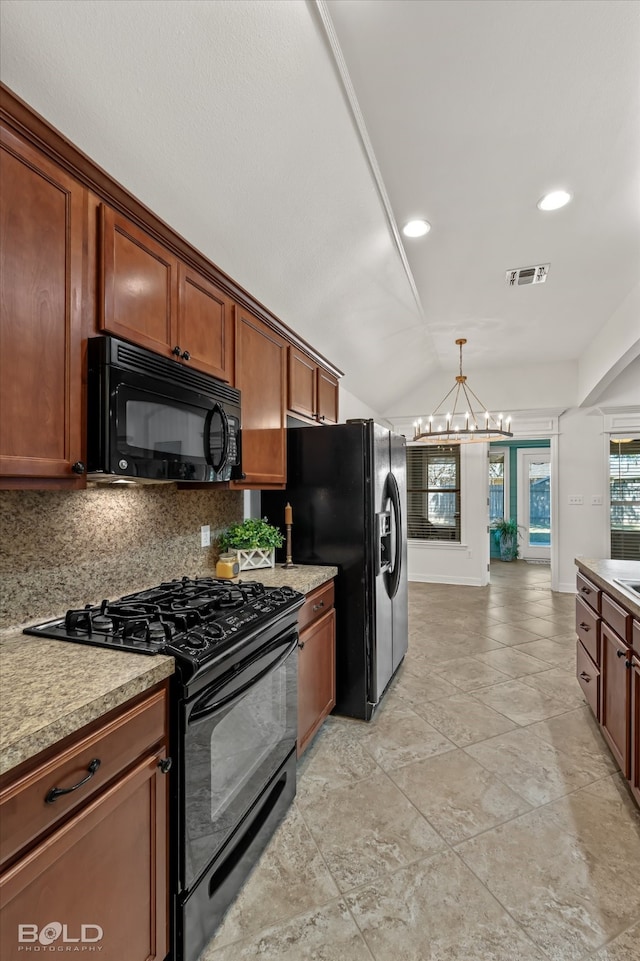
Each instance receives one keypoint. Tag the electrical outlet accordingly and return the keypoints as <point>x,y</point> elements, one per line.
<point>205,536</point>
<point>576,499</point>
<point>596,500</point>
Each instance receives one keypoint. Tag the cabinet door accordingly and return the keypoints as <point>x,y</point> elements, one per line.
<point>205,324</point>
<point>327,397</point>
<point>139,284</point>
<point>105,869</point>
<point>316,677</point>
<point>615,682</point>
<point>41,243</point>
<point>635,728</point>
<point>260,376</point>
<point>302,383</point>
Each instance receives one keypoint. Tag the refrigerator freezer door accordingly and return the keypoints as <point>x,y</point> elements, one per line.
<point>382,638</point>
<point>398,584</point>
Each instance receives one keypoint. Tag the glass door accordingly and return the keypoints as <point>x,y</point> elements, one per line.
<point>534,503</point>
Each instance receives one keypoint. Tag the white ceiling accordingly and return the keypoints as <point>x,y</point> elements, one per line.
<point>287,140</point>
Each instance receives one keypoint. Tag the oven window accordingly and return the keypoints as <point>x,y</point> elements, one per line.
<point>149,425</point>
<point>230,757</point>
<point>245,738</point>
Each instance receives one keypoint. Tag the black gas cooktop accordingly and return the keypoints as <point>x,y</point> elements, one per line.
<point>193,618</point>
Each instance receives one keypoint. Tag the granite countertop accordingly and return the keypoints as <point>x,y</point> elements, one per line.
<point>49,689</point>
<point>604,572</point>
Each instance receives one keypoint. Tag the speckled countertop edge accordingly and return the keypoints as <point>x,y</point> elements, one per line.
<point>604,572</point>
<point>49,689</point>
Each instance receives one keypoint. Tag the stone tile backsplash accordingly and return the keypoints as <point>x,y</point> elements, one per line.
<point>60,549</point>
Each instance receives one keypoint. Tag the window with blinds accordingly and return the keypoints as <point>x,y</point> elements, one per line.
<point>433,493</point>
<point>624,487</point>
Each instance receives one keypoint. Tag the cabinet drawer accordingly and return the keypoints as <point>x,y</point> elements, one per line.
<point>588,629</point>
<point>616,617</point>
<point>318,602</point>
<point>24,812</point>
<point>588,592</point>
<point>588,678</point>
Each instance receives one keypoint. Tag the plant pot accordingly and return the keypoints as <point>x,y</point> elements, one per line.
<point>508,548</point>
<point>257,557</point>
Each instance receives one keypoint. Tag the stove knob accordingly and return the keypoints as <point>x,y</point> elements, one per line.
<point>197,641</point>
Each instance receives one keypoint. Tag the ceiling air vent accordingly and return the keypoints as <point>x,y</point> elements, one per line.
<point>521,276</point>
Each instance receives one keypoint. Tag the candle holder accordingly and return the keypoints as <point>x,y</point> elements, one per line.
<point>288,561</point>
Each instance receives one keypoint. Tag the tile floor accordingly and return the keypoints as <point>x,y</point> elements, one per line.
<point>479,817</point>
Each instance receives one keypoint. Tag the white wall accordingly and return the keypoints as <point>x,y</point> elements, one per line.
<point>352,407</point>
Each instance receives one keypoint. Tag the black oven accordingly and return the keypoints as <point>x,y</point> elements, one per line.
<point>238,777</point>
<point>152,418</point>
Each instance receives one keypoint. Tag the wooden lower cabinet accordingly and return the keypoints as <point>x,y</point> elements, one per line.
<point>316,663</point>
<point>615,695</point>
<point>635,726</point>
<point>97,882</point>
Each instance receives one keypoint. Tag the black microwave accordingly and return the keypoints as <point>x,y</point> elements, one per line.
<point>152,419</point>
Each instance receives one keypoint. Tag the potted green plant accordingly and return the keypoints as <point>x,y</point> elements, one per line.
<point>506,534</point>
<point>254,541</point>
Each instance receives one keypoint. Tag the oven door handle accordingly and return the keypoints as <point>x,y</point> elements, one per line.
<point>204,707</point>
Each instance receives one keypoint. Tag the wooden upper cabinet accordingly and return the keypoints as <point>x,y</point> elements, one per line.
<point>312,390</point>
<point>152,298</point>
<point>302,383</point>
<point>139,284</point>
<point>205,323</point>
<point>42,230</point>
<point>260,376</point>
<point>327,397</point>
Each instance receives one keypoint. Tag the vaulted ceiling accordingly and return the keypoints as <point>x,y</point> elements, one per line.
<point>289,141</point>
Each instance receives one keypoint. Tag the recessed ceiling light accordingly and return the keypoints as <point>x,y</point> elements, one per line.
<point>554,200</point>
<point>416,228</point>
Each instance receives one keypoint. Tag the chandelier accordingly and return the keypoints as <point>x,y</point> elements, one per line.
<point>461,423</point>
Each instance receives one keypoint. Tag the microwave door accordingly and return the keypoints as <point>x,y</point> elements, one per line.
<point>216,439</point>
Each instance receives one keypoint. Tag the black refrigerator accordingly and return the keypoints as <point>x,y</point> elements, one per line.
<point>347,488</point>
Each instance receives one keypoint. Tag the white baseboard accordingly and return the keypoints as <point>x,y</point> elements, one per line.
<point>443,579</point>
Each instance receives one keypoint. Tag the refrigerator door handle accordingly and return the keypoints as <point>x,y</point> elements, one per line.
<point>393,575</point>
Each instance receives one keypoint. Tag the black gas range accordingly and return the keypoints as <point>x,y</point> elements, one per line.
<point>233,726</point>
<point>200,621</point>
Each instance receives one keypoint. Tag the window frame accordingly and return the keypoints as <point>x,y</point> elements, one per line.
<point>437,450</point>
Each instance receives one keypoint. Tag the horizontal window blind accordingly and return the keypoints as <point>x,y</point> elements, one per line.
<point>433,493</point>
<point>624,473</point>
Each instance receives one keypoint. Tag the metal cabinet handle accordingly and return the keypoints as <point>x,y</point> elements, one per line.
<point>78,467</point>
<point>316,607</point>
<point>585,590</point>
<point>165,764</point>
<point>301,644</point>
<point>584,627</point>
<point>57,792</point>
<point>585,677</point>
<point>620,653</point>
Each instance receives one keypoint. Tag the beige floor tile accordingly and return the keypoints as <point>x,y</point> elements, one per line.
<point>290,878</point>
<point>577,733</point>
<point>547,650</point>
<point>459,797</point>
<point>416,688</point>
<point>335,757</point>
<point>327,933</point>
<point>368,829</point>
<point>436,910</point>
<point>626,947</point>
<point>469,673</point>
<point>520,702</point>
<point>558,683</point>
<point>513,663</point>
<point>398,735</point>
<point>537,770</point>
<point>464,720</point>
<point>542,626</point>
<point>568,873</point>
<point>513,633</point>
